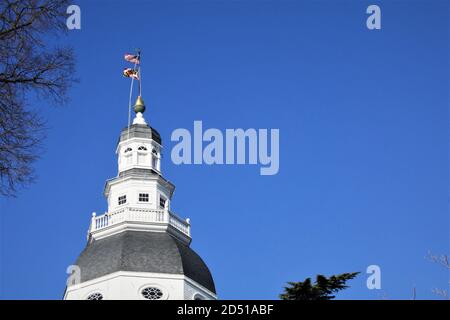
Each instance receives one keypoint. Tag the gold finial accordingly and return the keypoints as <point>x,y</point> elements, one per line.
<point>139,106</point>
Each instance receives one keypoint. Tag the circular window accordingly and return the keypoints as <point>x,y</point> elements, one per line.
<point>152,293</point>
<point>95,296</point>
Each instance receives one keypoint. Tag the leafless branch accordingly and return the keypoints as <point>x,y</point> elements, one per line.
<point>29,66</point>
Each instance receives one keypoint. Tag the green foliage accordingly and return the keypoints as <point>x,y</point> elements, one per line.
<point>323,289</point>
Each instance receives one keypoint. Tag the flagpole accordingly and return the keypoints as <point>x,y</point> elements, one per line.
<point>140,76</point>
<point>131,90</point>
<point>131,93</point>
<point>129,107</point>
<point>140,81</point>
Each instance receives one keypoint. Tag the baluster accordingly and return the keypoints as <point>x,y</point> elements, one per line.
<point>188,231</point>
<point>93,222</point>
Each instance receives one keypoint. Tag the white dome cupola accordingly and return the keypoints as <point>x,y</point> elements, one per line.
<point>139,183</point>
<point>139,144</point>
<point>139,248</point>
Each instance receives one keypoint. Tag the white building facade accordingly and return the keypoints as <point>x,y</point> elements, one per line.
<point>140,249</point>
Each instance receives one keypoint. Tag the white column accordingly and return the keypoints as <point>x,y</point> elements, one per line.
<point>158,163</point>
<point>92,227</point>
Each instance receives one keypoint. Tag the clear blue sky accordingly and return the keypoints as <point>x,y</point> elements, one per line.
<point>363,119</point>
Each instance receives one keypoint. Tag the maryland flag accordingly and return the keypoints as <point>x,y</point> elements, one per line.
<point>131,73</point>
<point>133,58</point>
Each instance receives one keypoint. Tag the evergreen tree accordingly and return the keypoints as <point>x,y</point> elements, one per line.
<point>323,289</point>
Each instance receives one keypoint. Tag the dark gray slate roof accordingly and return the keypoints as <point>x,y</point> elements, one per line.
<point>142,251</point>
<point>140,131</point>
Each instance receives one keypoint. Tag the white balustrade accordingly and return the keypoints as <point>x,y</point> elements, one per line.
<point>142,215</point>
<point>179,223</point>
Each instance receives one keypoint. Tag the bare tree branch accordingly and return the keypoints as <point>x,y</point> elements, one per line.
<point>29,66</point>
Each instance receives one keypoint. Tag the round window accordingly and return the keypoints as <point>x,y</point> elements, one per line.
<point>95,296</point>
<point>152,293</point>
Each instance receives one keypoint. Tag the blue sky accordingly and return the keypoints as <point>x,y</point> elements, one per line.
<point>363,119</point>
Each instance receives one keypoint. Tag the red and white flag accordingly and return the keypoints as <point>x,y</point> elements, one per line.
<point>131,73</point>
<point>133,58</point>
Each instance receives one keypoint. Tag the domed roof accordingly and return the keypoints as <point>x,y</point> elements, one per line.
<point>142,251</point>
<point>140,131</point>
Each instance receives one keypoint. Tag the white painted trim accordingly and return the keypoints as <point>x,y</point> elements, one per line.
<point>196,284</point>
<point>149,275</point>
<point>141,226</point>
<point>162,183</point>
<point>198,295</point>
<point>137,140</point>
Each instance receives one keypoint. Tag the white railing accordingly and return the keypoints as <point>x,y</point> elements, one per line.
<point>140,215</point>
<point>180,224</point>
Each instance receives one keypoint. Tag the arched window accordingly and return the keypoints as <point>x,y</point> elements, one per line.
<point>128,150</point>
<point>198,296</point>
<point>95,296</point>
<point>152,293</point>
<point>143,156</point>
